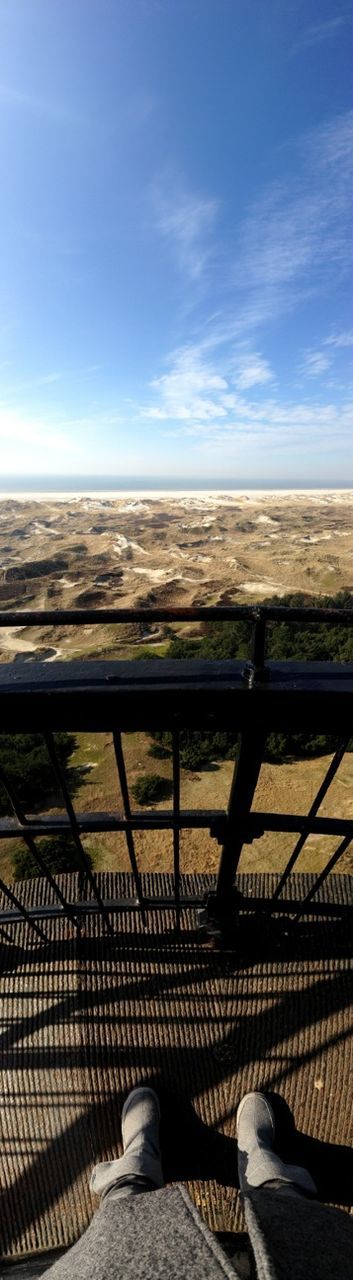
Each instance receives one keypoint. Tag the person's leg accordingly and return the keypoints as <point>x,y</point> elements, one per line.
<point>140,1168</point>
<point>293,1236</point>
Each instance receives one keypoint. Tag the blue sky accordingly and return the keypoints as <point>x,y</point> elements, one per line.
<point>176,237</point>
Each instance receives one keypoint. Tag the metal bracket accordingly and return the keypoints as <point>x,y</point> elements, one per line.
<point>219,828</point>
<point>215,919</point>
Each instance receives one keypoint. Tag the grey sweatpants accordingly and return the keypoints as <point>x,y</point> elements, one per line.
<point>160,1234</point>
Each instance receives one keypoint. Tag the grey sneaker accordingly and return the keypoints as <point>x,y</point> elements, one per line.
<point>257,1162</point>
<point>140,1119</point>
<point>140,1166</point>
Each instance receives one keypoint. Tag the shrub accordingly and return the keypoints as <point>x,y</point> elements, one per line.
<point>150,788</point>
<point>158,751</point>
<point>27,767</point>
<point>197,750</point>
<point>58,853</point>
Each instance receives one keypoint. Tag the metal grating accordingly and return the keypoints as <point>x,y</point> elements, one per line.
<point>87,1018</point>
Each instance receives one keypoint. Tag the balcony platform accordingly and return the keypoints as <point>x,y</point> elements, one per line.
<point>85,1017</point>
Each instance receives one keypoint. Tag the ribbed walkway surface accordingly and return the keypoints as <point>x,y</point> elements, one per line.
<point>84,1020</point>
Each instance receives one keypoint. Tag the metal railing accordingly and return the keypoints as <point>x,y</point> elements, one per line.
<point>251,699</point>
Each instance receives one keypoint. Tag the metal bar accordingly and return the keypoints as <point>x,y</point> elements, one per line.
<point>83,860</point>
<point>246,771</point>
<point>252,826</point>
<point>188,902</point>
<point>161,819</point>
<point>20,913</point>
<point>206,613</point>
<point>323,876</point>
<point>176,823</point>
<point>255,671</point>
<point>27,836</point>
<point>332,770</point>
<point>258,642</point>
<point>136,696</point>
<point>120,762</point>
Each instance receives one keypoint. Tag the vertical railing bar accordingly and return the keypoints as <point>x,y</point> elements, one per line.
<point>25,914</point>
<point>245,776</point>
<point>254,671</point>
<point>120,764</point>
<point>332,770</point>
<point>323,876</point>
<point>176,824</point>
<point>258,642</point>
<point>31,845</point>
<point>61,780</point>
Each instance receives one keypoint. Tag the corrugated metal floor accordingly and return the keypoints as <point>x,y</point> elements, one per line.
<point>85,1019</point>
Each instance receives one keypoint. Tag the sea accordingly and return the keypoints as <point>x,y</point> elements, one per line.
<point>84,485</point>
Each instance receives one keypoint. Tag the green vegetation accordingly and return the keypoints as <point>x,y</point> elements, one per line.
<point>150,788</point>
<point>197,750</point>
<point>58,853</point>
<point>297,642</point>
<point>27,768</point>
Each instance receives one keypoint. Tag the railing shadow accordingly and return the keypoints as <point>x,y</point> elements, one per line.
<point>202,1024</point>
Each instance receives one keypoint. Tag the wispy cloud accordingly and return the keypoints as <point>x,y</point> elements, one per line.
<point>276,426</point>
<point>344,339</point>
<point>58,112</point>
<point>301,227</point>
<point>315,363</point>
<point>290,245</point>
<point>186,220</point>
<point>320,31</point>
<point>47,379</point>
<point>251,370</point>
<point>191,389</point>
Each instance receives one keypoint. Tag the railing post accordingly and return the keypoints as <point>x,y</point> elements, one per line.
<point>220,905</point>
<point>255,670</point>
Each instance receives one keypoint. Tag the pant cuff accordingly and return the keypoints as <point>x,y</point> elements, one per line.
<point>109,1172</point>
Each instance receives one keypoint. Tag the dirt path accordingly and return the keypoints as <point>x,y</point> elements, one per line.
<point>13,642</point>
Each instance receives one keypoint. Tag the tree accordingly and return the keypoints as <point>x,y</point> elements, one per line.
<point>28,770</point>
<point>297,642</point>
<point>58,853</point>
<point>197,750</point>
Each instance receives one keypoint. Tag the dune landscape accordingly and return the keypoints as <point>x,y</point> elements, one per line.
<point>153,550</point>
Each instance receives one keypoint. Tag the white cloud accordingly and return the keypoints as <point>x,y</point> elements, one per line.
<point>315,363</point>
<point>278,425</point>
<point>186,220</point>
<point>252,370</point>
<point>193,390</point>
<point>210,407</point>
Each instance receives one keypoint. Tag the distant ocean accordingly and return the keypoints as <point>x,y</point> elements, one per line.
<point>170,484</point>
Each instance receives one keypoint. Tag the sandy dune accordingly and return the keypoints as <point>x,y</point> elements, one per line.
<point>154,549</point>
